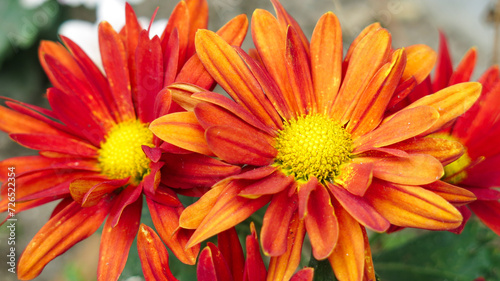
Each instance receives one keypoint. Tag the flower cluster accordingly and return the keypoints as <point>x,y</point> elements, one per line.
<point>330,145</point>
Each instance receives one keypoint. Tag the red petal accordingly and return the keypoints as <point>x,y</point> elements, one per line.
<point>305,274</point>
<point>116,241</point>
<point>114,61</point>
<point>444,67</point>
<point>254,265</point>
<point>464,70</point>
<point>230,247</point>
<point>237,146</point>
<point>89,191</point>
<point>274,232</point>
<point>287,20</point>
<point>178,20</point>
<point>60,233</point>
<point>489,213</point>
<point>272,184</point>
<point>453,194</point>
<point>198,19</point>
<point>321,223</point>
<point>356,177</point>
<point>54,143</point>
<point>153,255</point>
<point>212,265</point>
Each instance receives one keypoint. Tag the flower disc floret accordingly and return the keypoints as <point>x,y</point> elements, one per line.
<point>312,145</point>
<point>121,153</point>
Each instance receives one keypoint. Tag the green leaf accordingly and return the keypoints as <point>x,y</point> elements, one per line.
<point>440,256</point>
<point>322,270</point>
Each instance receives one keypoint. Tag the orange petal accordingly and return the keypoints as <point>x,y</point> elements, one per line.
<point>153,255</point>
<point>61,232</point>
<point>305,274</point>
<point>56,50</point>
<point>373,102</point>
<point>367,30</point>
<point>326,61</point>
<point>15,122</point>
<point>274,232</point>
<point>419,63</point>
<point>181,94</point>
<point>255,268</point>
<point>212,266</point>
<point>56,143</point>
<point>356,177</point>
<point>178,20</point>
<point>412,206</point>
<point>229,210</point>
<point>321,223</point>
<point>270,41</point>
<point>198,19</point>
<point>230,247</point>
<point>89,191</point>
<point>299,74</point>
<point>232,74</point>
<point>359,208</point>
<point>194,214</point>
<point>181,129</point>
<point>368,56</point>
<point>282,267</point>
<point>166,221</point>
<point>237,146</point>
<point>450,102</point>
<point>455,195</point>
<point>272,184</point>
<point>348,258</point>
<point>402,126</point>
<point>369,274</point>
<point>416,169</point>
<point>286,20</point>
<point>115,65</point>
<point>446,151</point>
<point>116,241</point>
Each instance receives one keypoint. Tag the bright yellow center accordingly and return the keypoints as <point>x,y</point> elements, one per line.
<point>121,154</point>
<point>455,172</point>
<point>312,145</point>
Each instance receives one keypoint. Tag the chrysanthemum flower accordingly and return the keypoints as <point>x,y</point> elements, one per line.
<point>313,137</point>
<point>225,262</point>
<point>96,151</point>
<point>478,130</point>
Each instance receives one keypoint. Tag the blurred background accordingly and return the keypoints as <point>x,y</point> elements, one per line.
<point>24,23</point>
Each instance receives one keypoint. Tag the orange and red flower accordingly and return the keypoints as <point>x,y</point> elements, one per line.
<point>314,138</point>
<point>478,130</point>
<point>96,151</point>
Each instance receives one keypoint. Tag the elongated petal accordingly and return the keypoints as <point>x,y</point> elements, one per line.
<point>153,255</point>
<point>299,74</point>
<point>276,222</point>
<point>326,61</point>
<point>198,19</point>
<point>116,241</point>
<point>348,258</point>
<point>419,63</point>
<point>360,209</point>
<point>286,20</point>
<point>15,122</point>
<point>54,143</point>
<point>255,268</point>
<point>232,74</point>
<point>444,67</point>
<point>321,223</point>
<point>356,177</point>
<point>274,183</point>
<point>181,129</point>
<point>446,151</point>
<point>240,147</point>
<point>212,265</point>
<point>416,169</point>
<point>373,102</point>
<point>403,125</point>
<point>230,247</point>
<point>464,70</point>
<point>371,53</point>
<point>194,214</point>
<point>282,267</point>
<point>89,191</point>
<point>166,221</point>
<point>115,64</point>
<point>178,20</point>
<point>450,102</point>
<point>60,233</point>
<point>367,30</point>
<point>453,194</point>
<point>412,206</point>
<point>229,210</point>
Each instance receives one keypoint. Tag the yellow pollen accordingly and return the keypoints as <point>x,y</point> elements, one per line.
<point>312,145</point>
<point>121,154</point>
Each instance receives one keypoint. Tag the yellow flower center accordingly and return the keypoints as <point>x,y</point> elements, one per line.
<point>312,145</point>
<point>121,154</point>
<point>455,172</point>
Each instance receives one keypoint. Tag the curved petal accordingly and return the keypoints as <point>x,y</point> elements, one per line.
<point>237,146</point>
<point>116,241</point>
<point>272,184</point>
<point>321,223</point>
<point>89,191</point>
<point>305,274</point>
<point>61,232</point>
<point>286,20</point>
<point>230,247</point>
<point>446,151</point>
<point>402,126</point>
<point>455,195</point>
<point>326,61</point>
<point>419,63</point>
<point>153,255</point>
<point>412,206</point>
<point>212,265</point>
<point>275,225</point>
<point>348,258</point>
<point>198,19</point>
<point>55,143</point>
<point>181,129</point>
<point>255,268</point>
<point>489,213</point>
<point>444,67</point>
<point>355,176</point>
<point>464,70</point>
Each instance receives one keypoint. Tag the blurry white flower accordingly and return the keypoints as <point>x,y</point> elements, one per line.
<point>31,4</point>
<point>84,33</point>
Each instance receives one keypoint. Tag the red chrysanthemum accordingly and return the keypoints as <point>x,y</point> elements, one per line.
<point>96,151</point>
<point>316,139</point>
<point>478,170</point>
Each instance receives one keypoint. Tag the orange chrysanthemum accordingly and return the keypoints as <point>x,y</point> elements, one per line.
<point>315,140</point>
<point>478,130</point>
<point>96,151</point>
